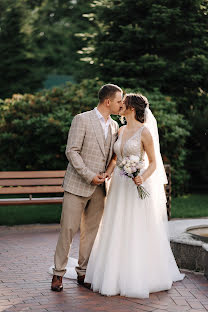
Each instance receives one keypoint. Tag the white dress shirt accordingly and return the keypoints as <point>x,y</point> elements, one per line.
<point>104,124</point>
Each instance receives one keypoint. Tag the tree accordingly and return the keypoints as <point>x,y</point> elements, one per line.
<point>160,44</point>
<point>18,69</point>
<point>52,26</point>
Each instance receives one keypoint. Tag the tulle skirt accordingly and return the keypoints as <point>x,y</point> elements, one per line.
<point>131,255</point>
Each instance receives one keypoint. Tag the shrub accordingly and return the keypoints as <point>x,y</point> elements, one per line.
<point>34,128</point>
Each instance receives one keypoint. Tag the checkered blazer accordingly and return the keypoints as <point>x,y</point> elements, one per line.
<point>85,152</point>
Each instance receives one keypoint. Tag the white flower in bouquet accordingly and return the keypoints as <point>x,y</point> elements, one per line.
<point>133,164</point>
<point>130,167</point>
<point>140,165</point>
<point>134,158</point>
<point>128,170</point>
<point>123,161</point>
<point>134,169</point>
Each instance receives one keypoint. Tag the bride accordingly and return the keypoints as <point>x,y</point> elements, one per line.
<point>131,255</point>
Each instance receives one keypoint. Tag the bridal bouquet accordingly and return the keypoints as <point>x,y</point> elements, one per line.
<point>130,167</point>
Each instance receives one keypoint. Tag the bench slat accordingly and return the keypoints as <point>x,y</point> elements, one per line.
<point>31,190</point>
<point>11,186</point>
<point>19,182</point>
<point>32,174</point>
<point>33,201</point>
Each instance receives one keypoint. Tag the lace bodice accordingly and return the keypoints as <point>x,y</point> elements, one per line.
<point>132,146</point>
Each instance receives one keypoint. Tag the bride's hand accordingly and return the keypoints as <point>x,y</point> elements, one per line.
<point>138,180</point>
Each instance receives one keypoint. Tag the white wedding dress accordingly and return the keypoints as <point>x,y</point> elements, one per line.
<point>131,255</point>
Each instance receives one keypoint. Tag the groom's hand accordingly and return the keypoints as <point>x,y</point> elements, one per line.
<point>98,179</point>
<point>106,175</point>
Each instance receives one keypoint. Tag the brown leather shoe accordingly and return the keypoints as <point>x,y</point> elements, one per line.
<point>56,284</point>
<point>80,281</point>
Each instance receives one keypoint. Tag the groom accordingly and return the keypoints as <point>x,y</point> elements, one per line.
<point>89,151</point>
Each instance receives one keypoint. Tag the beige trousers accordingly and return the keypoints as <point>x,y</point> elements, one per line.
<point>78,212</point>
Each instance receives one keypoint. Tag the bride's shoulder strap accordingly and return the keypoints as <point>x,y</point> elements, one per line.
<point>145,128</point>
<point>145,132</point>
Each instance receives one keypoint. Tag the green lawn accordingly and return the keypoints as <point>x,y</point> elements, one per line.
<point>190,206</point>
<point>187,206</point>
<point>13,215</point>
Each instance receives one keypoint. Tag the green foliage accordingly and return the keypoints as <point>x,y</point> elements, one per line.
<point>38,38</point>
<point>19,71</point>
<point>198,144</point>
<point>33,131</point>
<point>33,128</point>
<point>52,26</point>
<point>159,44</point>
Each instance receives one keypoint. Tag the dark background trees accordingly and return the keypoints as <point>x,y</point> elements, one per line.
<point>20,71</point>
<point>39,38</point>
<point>158,48</point>
<point>53,26</point>
<point>152,44</point>
<point>163,44</point>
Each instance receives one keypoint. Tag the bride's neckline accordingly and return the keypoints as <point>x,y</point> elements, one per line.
<point>124,143</point>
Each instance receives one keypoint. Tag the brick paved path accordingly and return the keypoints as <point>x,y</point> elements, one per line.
<point>25,256</point>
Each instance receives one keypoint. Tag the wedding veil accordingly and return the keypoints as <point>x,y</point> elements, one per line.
<point>158,178</point>
<point>151,124</point>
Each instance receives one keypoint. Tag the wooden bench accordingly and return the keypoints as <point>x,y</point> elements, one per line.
<point>30,183</point>
<point>45,182</point>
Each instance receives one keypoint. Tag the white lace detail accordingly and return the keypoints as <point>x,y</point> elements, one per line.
<point>132,146</point>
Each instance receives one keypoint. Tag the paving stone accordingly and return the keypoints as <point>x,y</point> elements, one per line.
<point>25,257</point>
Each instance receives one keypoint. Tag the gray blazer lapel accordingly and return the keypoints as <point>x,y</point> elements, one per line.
<point>98,130</point>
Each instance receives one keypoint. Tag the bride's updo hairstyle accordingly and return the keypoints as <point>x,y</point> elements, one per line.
<point>139,102</point>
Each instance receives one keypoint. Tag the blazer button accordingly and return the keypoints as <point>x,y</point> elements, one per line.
<point>103,160</point>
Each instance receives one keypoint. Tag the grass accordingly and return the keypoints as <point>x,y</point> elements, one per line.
<point>14,215</point>
<point>187,206</point>
<point>190,206</point>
